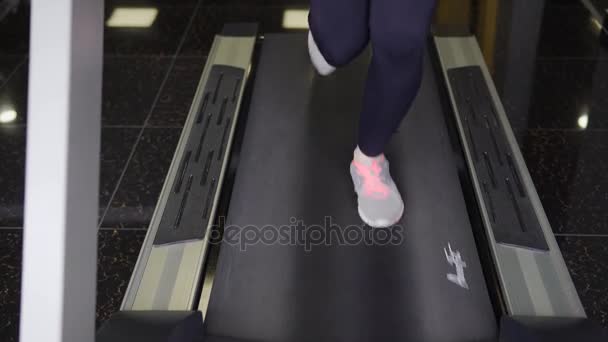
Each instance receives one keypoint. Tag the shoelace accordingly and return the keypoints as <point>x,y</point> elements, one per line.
<point>372,184</point>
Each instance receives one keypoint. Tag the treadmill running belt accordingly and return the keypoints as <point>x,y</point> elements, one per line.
<point>298,143</point>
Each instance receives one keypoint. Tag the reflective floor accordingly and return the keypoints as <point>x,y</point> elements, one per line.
<point>546,58</point>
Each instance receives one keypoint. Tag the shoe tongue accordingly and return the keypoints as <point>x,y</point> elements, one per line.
<point>369,161</point>
<point>365,160</point>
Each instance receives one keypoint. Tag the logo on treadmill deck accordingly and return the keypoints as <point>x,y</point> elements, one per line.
<point>455,260</point>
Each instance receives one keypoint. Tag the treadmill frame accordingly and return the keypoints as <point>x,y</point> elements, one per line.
<point>532,282</point>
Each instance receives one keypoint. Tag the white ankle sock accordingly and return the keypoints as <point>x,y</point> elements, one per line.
<point>317,58</point>
<point>360,157</point>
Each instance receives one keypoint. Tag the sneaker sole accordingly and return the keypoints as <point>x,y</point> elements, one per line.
<point>380,223</point>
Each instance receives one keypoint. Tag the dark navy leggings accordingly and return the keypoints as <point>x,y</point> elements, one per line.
<point>397,30</point>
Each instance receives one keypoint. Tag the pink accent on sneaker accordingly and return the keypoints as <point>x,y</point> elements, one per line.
<point>372,184</point>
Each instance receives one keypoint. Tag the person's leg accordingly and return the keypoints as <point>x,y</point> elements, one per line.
<point>398,33</point>
<point>399,29</point>
<point>339,31</point>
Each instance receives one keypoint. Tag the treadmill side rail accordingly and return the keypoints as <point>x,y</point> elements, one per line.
<point>168,272</point>
<point>187,213</point>
<point>512,217</point>
<point>532,271</point>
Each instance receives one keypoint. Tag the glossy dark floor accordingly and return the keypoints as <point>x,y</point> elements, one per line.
<point>550,69</point>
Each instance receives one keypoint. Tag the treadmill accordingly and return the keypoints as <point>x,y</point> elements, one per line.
<point>256,235</point>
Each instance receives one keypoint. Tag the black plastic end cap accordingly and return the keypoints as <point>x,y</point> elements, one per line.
<point>152,326</point>
<point>550,329</point>
<point>240,30</point>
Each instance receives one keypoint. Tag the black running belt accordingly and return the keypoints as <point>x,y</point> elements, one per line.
<point>293,178</point>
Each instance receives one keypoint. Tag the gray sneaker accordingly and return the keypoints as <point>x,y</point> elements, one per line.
<point>317,59</point>
<point>380,204</point>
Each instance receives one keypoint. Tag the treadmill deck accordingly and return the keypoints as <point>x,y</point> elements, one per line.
<point>294,164</point>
